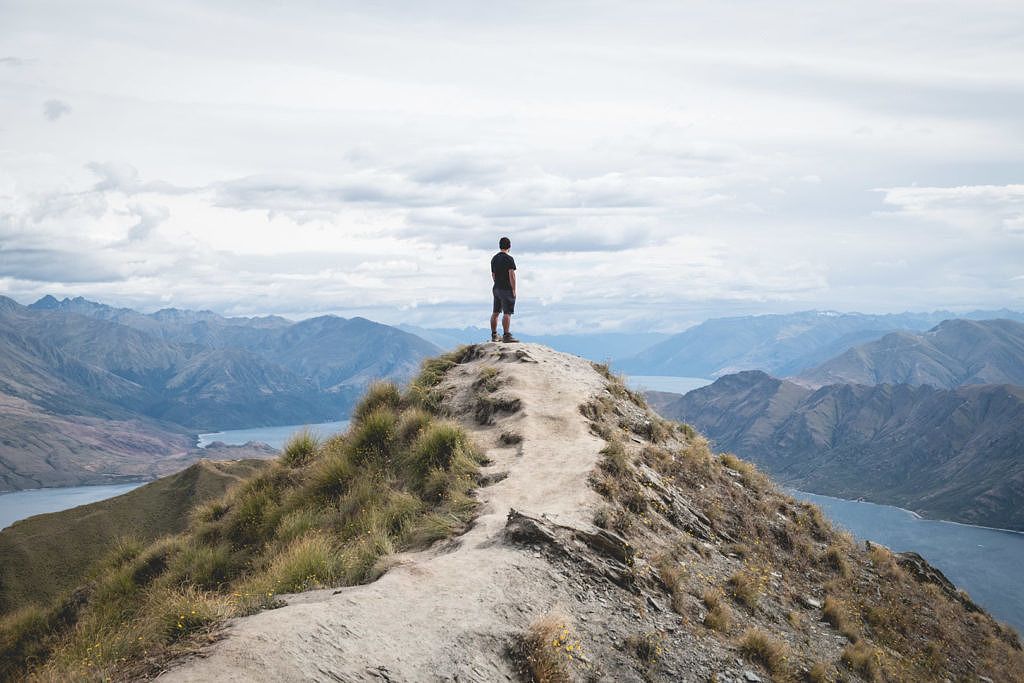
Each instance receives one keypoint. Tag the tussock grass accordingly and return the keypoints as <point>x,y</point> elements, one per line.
<point>379,395</point>
<point>545,653</point>
<point>747,587</point>
<point>774,654</point>
<point>837,614</point>
<point>865,660</point>
<point>820,672</point>
<point>834,557</point>
<point>300,448</point>
<point>615,461</point>
<point>749,474</point>
<point>648,647</point>
<point>719,616</point>
<point>325,514</point>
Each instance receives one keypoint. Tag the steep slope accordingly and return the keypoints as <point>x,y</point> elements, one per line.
<point>778,344</point>
<point>952,454</point>
<point>695,564</point>
<point>954,353</point>
<point>46,555</point>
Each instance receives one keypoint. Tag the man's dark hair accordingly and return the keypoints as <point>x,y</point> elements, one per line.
<point>504,243</point>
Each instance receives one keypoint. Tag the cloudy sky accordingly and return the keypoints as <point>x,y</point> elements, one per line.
<point>655,163</point>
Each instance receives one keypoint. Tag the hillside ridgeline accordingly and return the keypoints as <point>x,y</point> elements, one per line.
<point>592,540</point>
<point>952,354</point>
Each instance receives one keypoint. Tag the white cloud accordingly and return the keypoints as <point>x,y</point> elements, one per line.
<point>652,163</point>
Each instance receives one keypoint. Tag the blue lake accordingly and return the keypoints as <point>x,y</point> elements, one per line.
<point>272,436</point>
<point>984,562</point>
<point>22,504</point>
<point>678,385</point>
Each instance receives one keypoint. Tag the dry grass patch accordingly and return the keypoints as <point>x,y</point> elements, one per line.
<point>647,647</point>
<point>747,586</point>
<point>836,613</point>
<point>719,616</point>
<point>865,660</point>
<point>547,651</point>
<point>757,645</point>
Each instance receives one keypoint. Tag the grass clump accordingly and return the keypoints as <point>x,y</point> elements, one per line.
<point>719,616</point>
<point>835,613</point>
<point>615,461</point>
<point>747,586</point>
<point>379,395</point>
<point>300,448</point>
<point>865,660</point>
<point>546,652</point>
<point>648,647</point>
<point>757,645</point>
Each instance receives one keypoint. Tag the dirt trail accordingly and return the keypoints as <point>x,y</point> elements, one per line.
<point>447,613</point>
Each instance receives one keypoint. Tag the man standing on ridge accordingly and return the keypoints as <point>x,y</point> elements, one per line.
<point>503,272</point>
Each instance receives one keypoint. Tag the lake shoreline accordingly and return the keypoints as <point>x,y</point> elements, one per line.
<point>917,515</point>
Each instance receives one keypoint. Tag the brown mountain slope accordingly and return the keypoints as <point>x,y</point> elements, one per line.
<point>46,555</point>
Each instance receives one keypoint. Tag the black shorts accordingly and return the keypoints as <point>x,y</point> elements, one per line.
<point>504,301</point>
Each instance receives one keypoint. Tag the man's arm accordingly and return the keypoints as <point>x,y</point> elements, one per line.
<point>512,280</point>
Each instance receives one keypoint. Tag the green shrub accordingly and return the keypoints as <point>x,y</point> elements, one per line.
<point>615,461</point>
<point>411,424</point>
<point>300,449</point>
<point>372,439</point>
<point>378,395</point>
<point>331,475</point>
<point>308,562</point>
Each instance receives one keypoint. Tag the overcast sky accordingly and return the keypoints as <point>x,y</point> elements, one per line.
<point>655,163</point>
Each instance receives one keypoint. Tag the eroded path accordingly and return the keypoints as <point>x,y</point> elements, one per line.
<point>447,613</point>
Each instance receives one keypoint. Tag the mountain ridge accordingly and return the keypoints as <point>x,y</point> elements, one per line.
<point>781,344</point>
<point>953,353</point>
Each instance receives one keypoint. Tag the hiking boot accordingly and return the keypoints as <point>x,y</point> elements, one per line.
<point>494,336</point>
<point>508,338</point>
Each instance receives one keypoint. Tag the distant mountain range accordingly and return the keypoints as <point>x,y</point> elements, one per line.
<point>781,345</point>
<point>933,422</point>
<point>93,394</point>
<point>954,353</point>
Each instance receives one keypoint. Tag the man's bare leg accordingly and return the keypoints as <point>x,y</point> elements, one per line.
<point>506,321</point>
<point>494,324</point>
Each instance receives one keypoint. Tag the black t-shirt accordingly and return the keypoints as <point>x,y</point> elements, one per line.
<point>500,265</point>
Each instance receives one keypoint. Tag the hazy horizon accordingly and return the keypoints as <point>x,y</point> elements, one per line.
<point>481,324</point>
<point>655,164</point>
